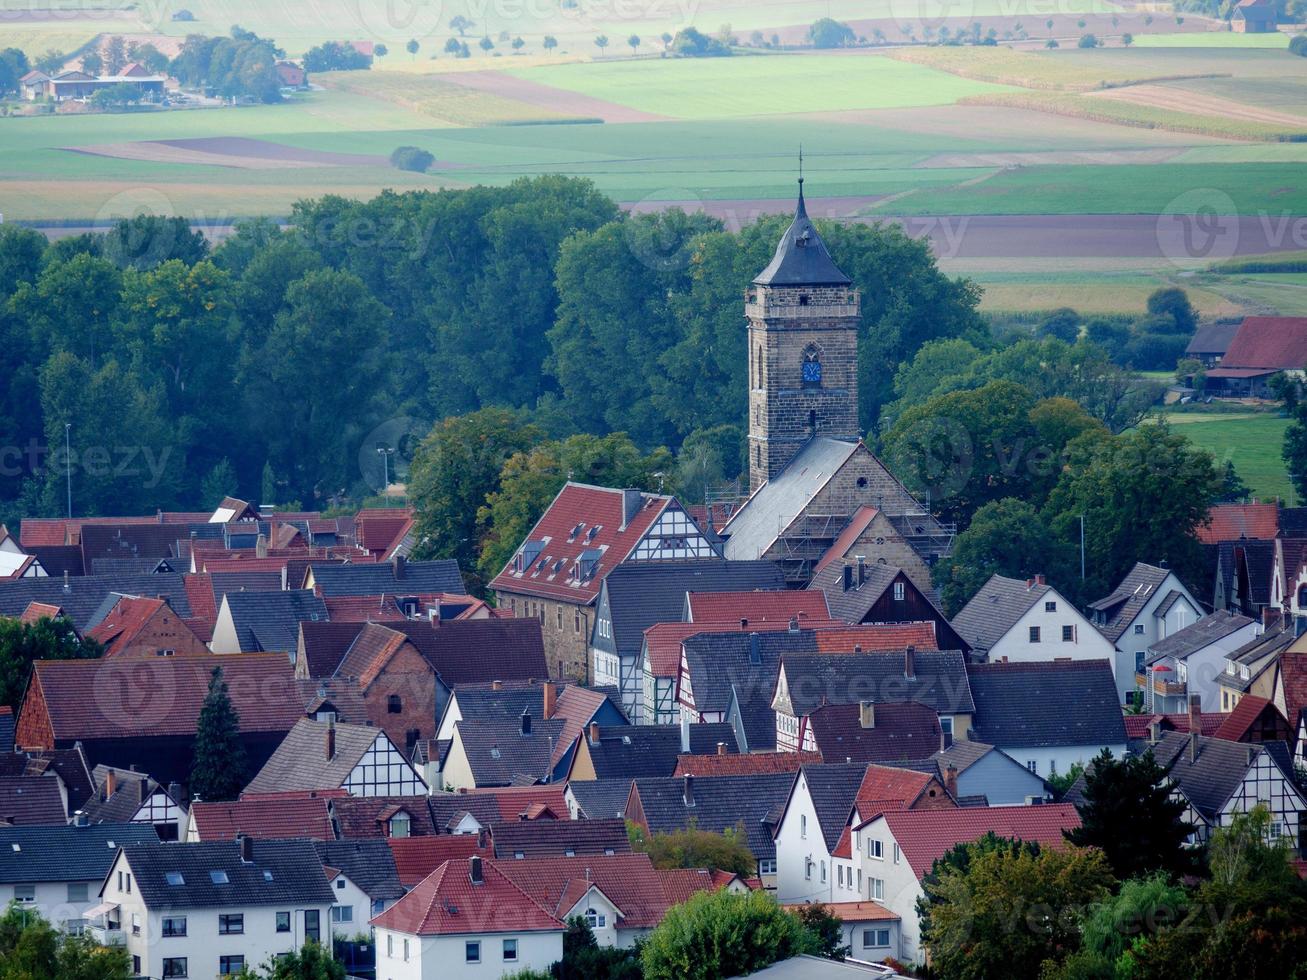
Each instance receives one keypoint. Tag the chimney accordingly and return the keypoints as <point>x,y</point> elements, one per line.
<point>848,577</point>
<point>744,624</point>
<point>66,587</point>
<point>398,564</point>
<point>689,789</point>
<point>951,780</point>
<point>1193,746</point>
<point>721,748</point>
<point>261,547</point>
<point>862,569</point>
<point>549,696</point>
<point>175,792</point>
<point>1195,713</point>
<point>1039,580</point>
<point>1252,754</point>
<point>632,501</point>
<point>594,733</point>
<point>910,662</point>
<point>143,788</point>
<point>857,648</point>
<point>496,685</point>
<point>794,624</point>
<point>1270,617</point>
<point>474,870</point>
<point>1030,584</point>
<point>755,649</point>
<point>526,721</point>
<point>483,838</point>
<point>331,740</point>
<point>246,843</point>
<point>1154,732</point>
<point>110,783</point>
<point>685,734</point>
<point>80,819</point>
<point>866,714</point>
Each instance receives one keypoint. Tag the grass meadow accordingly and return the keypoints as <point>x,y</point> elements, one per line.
<point>1252,442</point>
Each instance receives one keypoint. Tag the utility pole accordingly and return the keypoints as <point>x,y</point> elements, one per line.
<point>68,466</point>
<point>1082,547</point>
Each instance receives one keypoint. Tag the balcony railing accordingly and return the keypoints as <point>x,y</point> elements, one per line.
<point>106,936</point>
<point>760,309</point>
<point>1160,685</point>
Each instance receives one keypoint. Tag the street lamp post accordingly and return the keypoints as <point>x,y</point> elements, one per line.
<point>385,452</point>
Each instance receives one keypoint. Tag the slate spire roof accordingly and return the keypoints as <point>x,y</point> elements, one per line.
<point>801,258</point>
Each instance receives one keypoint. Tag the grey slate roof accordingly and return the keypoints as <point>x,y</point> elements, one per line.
<point>226,582</point>
<point>801,257</point>
<point>629,752</point>
<point>368,862</point>
<point>554,838</point>
<point>301,762</point>
<point>472,651</point>
<point>600,799</point>
<point>480,702</point>
<point>27,800</point>
<point>1213,338</point>
<point>756,717</point>
<point>1046,703</point>
<point>833,789</point>
<point>283,872</point>
<point>995,609</point>
<point>719,802</point>
<point>500,755</point>
<point>6,731</point>
<point>1165,605</point>
<point>641,594</point>
<point>85,593</point>
<point>1128,599</point>
<point>448,808</point>
<point>1197,636</point>
<point>378,578</point>
<point>63,852</point>
<point>852,606</point>
<point>775,505</point>
<point>270,620</point>
<point>1213,778</point>
<point>721,664</point>
<point>128,796</point>
<point>939,680</point>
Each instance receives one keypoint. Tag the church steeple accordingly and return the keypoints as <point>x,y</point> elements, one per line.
<point>803,315</point>
<point>801,257</point>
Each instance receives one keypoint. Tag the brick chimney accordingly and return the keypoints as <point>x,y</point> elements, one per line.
<point>331,741</point>
<point>110,784</point>
<point>721,748</point>
<point>794,624</point>
<point>951,780</point>
<point>246,843</point>
<point>910,662</point>
<point>1195,713</point>
<point>688,793</point>
<point>496,685</point>
<point>866,714</point>
<point>594,733</point>
<point>549,696</point>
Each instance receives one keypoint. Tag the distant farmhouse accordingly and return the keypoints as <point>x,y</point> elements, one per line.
<point>65,85</point>
<point>1254,17</point>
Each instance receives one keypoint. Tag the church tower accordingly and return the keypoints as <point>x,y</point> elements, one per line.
<point>803,317</point>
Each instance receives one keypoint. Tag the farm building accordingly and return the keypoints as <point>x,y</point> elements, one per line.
<point>79,85</point>
<point>1254,17</point>
<point>1263,346</point>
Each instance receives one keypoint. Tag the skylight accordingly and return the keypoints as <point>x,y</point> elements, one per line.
<point>267,875</point>
<point>16,847</point>
<point>175,878</point>
<point>218,877</point>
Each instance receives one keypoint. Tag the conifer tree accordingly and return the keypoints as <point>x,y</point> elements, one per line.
<point>218,771</point>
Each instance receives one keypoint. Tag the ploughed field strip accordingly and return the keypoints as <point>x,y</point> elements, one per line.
<point>230,151</point>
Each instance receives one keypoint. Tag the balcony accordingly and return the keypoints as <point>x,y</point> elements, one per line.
<point>107,935</point>
<point>759,310</point>
<point>1166,688</point>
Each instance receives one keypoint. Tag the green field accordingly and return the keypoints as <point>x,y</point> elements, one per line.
<point>1212,39</point>
<point>734,87</point>
<point>1252,442</point>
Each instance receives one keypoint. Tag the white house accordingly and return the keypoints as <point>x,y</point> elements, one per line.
<point>1022,622</point>
<point>465,919</point>
<point>905,843</point>
<point>1192,661</point>
<point>319,755</point>
<point>56,870</point>
<point>210,909</point>
<point>1149,605</point>
<point>364,881</point>
<point>809,830</point>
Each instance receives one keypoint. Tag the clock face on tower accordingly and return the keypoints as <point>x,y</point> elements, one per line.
<point>811,371</point>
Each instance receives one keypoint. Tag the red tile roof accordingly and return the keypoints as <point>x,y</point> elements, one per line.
<point>368,655</point>
<point>447,902</point>
<point>1275,342</point>
<point>363,609</point>
<point>664,639</point>
<point>757,607</point>
<point>88,699</point>
<point>856,911</point>
<point>199,592</point>
<point>883,786</point>
<point>924,835</point>
<point>126,619</point>
<point>268,817</point>
<point>1136,726</point>
<point>515,800</point>
<point>589,508</point>
<point>417,857</point>
<point>857,524</point>
<point>1293,675</point>
<point>1230,522</point>
<point>558,883</point>
<point>682,884</point>
<point>61,530</point>
<point>380,529</point>
<point>1238,721</point>
<point>575,707</point>
<point>37,611</point>
<point>228,562</point>
<point>744,764</point>
<point>876,637</point>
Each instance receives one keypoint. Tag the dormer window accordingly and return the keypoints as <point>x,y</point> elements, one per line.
<point>399,825</point>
